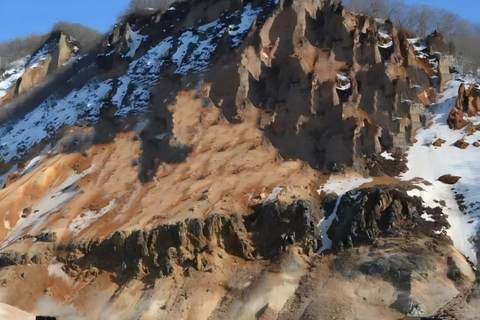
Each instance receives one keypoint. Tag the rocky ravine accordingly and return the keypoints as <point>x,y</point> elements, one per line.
<point>198,200</point>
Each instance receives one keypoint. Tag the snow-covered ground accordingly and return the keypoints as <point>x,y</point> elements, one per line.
<point>11,75</point>
<point>429,162</point>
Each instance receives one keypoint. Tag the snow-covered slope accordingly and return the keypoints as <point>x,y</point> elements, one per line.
<point>429,163</point>
<point>131,94</point>
<point>12,73</point>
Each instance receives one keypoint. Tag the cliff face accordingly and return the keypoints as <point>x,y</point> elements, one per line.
<point>177,176</point>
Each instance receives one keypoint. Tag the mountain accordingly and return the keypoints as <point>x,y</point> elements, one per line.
<point>241,160</point>
<point>24,74</point>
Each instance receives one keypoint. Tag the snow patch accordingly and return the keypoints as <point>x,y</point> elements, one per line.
<point>135,41</point>
<point>387,156</point>
<point>86,219</point>
<point>429,163</point>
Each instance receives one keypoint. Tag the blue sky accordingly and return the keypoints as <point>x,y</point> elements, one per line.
<point>467,9</point>
<point>19,18</point>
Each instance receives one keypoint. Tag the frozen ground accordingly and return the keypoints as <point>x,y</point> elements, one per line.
<point>429,162</point>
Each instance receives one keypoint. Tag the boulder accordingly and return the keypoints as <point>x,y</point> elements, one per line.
<point>10,258</point>
<point>468,102</point>
<point>439,142</point>
<point>48,236</point>
<point>455,119</point>
<point>449,179</point>
<point>462,144</point>
<point>476,144</point>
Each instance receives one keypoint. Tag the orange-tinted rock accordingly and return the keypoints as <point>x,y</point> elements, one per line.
<point>455,119</point>
<point>449,179</point>
<point>428,97</point>
<point>462,144</point>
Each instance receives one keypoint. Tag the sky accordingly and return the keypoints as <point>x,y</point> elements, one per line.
<point>19,18</point>
<point>467,9</point>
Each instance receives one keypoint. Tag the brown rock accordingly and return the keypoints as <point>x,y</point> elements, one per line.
<point>455,119</point>
<point>449,179</point>
<point>439,142</point>
<point>462,144</point>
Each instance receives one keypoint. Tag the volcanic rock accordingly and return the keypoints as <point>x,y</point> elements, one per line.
<point>461,143</point>
<point>449,179</point>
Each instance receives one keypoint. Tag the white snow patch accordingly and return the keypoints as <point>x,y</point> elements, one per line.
<point>135,41</point>
<point>429,163</point>
<point>33,163</point>
<point>387,156</point>
<point>273,196</point>
<point>14,71</point>
<point>86,219</point>
<point>55,270</point>
<point>237,32</point>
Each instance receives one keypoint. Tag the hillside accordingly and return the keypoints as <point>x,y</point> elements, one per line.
<point>241,160</point>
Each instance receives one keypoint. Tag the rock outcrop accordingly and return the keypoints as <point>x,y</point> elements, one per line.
<point>468,104</point>
<point>51,56</point>
<point>186,181</point>
<point>266,234</point>
<point>367,214</point>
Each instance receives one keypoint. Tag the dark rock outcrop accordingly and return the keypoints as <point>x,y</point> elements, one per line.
<point>381,211</point>
<point>158,250</point>
<point>48,236</point>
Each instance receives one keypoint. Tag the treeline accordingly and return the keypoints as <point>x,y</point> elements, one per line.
<point>422,20</point>
<point>88,39</point>
<point>19,48</point>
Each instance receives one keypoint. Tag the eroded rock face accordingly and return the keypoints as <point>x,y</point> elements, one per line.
<point>367,214</point>
<point>276,226</point>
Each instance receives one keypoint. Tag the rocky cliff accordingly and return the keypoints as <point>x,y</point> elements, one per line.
<point>51,56</point>
<point>181,175</point>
